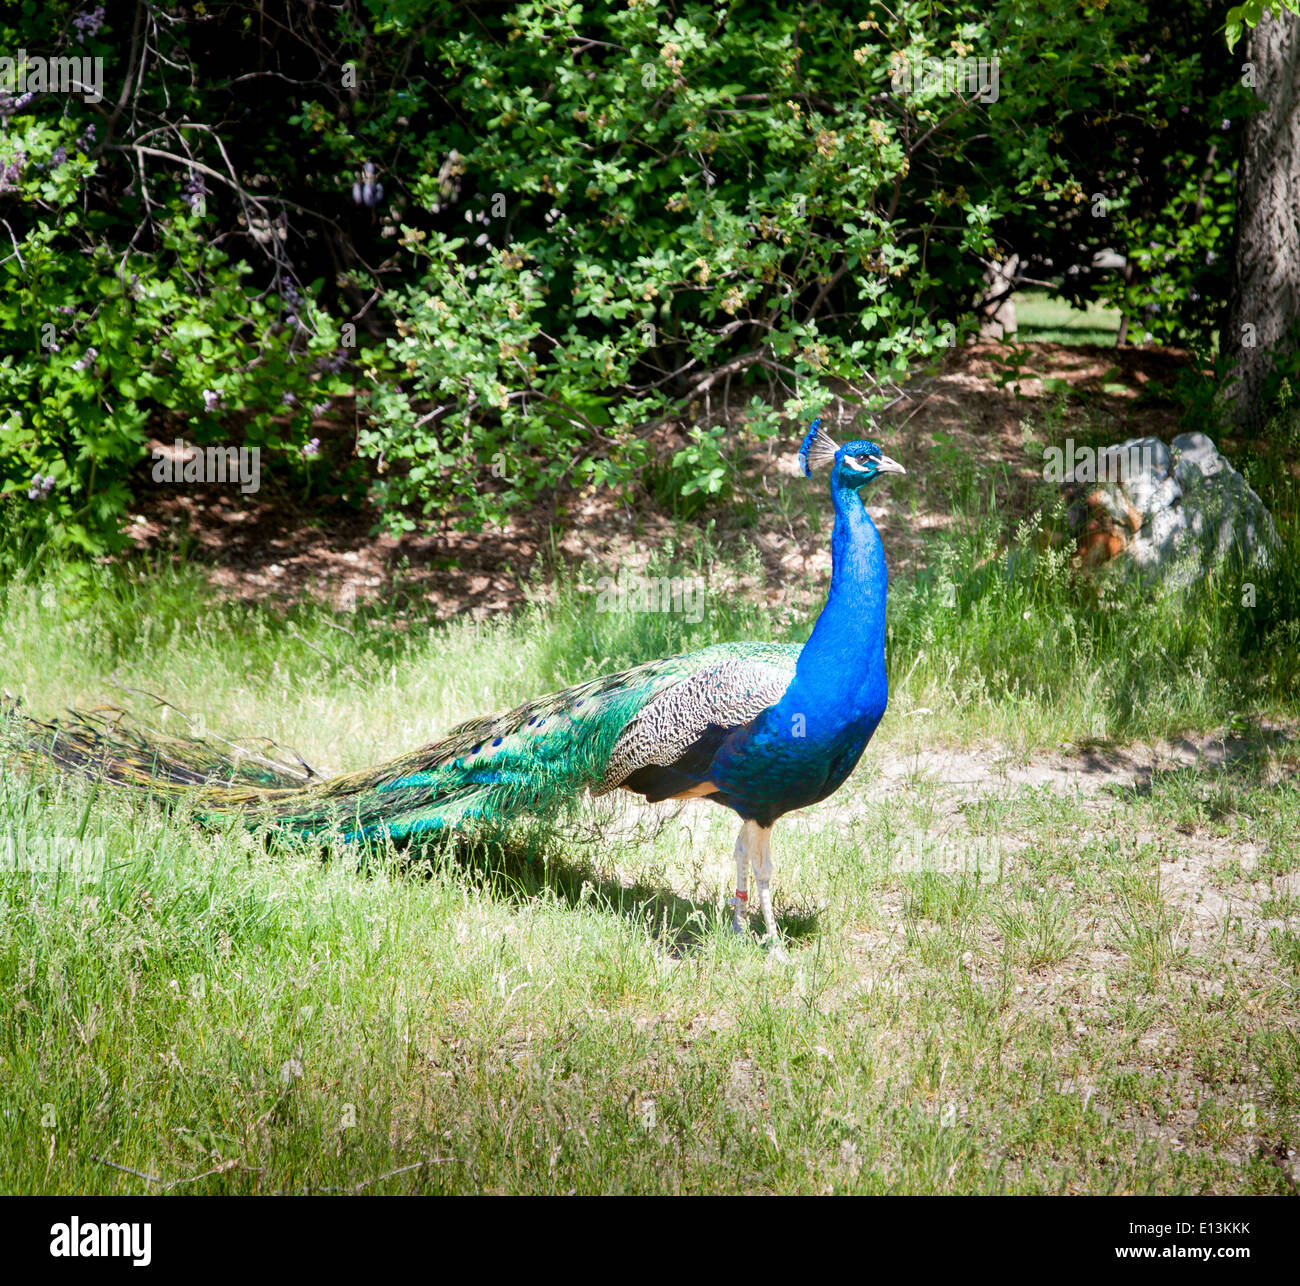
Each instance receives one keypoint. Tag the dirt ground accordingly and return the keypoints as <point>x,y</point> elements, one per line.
<point>267,546</point>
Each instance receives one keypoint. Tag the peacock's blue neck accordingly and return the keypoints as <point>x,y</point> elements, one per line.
<point>840,677</point>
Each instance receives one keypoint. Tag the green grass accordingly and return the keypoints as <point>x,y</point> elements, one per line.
<point>1043,318</point>
<point>1012,988</point>
<point>179,1003</point>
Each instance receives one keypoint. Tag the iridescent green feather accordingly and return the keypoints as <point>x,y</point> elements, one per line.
<point>531,761</point>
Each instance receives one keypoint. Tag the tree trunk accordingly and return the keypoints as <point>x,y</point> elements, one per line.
<point>1121,337</point>
<point>997,310</point>
<point>1265,300</point>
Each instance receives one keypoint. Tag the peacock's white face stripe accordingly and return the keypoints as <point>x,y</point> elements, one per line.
<point>852,462</point>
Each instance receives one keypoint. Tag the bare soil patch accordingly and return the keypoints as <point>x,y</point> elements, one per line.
<point>270,546</point>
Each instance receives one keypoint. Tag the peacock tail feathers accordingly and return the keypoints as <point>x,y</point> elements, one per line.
<point>534,760</point>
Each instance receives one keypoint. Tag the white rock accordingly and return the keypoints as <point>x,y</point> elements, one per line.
<point>1195,510</point>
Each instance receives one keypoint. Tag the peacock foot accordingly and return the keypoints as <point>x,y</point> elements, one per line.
<point>776,951</point>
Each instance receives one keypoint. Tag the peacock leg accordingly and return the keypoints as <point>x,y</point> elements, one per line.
<point>740,903</point>
<point>763,870</point>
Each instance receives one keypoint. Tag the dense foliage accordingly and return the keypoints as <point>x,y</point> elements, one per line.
<point>530,235</point>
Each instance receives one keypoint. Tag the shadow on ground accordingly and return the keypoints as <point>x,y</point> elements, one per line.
<point>519,868</point>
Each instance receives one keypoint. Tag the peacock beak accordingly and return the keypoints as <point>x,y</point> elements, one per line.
<point>886,465</point>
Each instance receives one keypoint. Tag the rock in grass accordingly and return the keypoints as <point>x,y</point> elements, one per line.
<point>1168,515</point>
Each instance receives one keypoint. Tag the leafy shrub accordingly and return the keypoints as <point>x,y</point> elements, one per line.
<point>119,308</point>
<point>631,208</point>
<point>559,231</point>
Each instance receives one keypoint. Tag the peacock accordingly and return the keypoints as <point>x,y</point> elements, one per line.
<point>760,728</point>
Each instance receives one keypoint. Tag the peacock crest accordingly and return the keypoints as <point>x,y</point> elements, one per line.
<point>818,448</point>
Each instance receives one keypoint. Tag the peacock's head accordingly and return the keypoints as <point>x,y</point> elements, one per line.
<point>854,464</point>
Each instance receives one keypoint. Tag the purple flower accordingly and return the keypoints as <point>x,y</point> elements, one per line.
<point>41,487</point>
<point>333,364</point>
<point>86,362</point>
<point>211,399</point>
<point>195,192</point>
<point>59,156</point>
<point>88,22</point>
<point>320,408</point>
<point>289,399</point>
<point>367,190</point>
<point>312,449</point>
<point>12,170</point>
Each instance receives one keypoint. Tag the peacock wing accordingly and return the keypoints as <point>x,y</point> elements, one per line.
<point>667,747</point>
